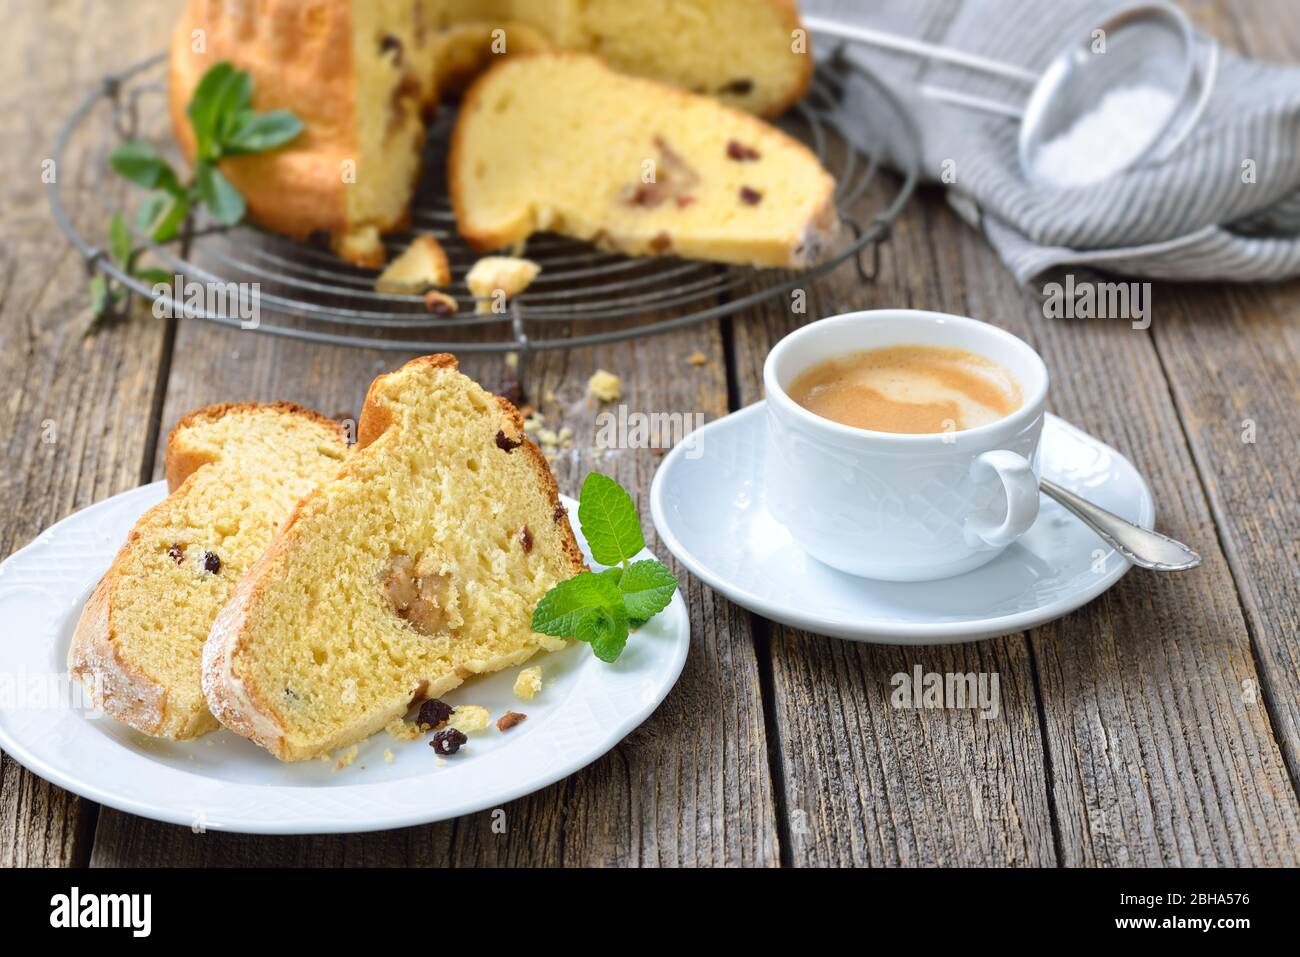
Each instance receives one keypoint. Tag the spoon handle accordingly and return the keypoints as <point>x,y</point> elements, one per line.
<point>1141,546</point>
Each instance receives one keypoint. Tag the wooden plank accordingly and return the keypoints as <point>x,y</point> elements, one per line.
<point>689,787</point>
<point>77,408</point>
<point>1156,758</point>
<point>866,784</point>
<point>1231,353</point>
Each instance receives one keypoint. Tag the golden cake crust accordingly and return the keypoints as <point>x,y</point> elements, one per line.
<point>296,190</point>
<point>118,687</point>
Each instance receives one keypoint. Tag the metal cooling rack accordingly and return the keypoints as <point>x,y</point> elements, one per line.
<point>583,296</point>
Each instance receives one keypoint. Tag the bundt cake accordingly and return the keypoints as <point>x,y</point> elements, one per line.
<point>559,142</point>
<point>418,565</point>
<point>235,472</point>
<point>361,74</point>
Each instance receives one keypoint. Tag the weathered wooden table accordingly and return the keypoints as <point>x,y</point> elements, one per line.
<point>1158,725</point>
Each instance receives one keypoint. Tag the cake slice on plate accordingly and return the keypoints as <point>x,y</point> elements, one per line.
<point>559,142</point>
<point>235,473</point>
<point>417,566</point>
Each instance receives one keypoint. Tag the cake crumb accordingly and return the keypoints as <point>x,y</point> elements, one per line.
<point>422,264</point>
<point>510,719</point>
<point>388,755</point>
<point>605,386</point>
<point>440,762</point>
<point>400,730</point>
<point>512,360</point>
<point>698,359</point>
<point>469,717</point>
<point>533,424</point>
<point>528,683</point>
<point>503,276</point>
<point>346,758</point>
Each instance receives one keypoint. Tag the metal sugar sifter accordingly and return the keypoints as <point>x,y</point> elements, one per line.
<point>1151,55</point>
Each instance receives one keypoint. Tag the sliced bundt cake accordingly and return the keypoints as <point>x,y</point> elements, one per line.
<point>559,142</point>
<point>356,74</point>
<point>235,472</point>
<point>418,565</point>
<point>360,74</point>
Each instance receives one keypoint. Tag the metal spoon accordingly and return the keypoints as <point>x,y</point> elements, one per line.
<point>1141,546</point>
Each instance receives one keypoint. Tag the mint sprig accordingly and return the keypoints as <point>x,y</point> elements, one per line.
<point>224,124</point>
<point>106,297</point>
<point>601,607</point>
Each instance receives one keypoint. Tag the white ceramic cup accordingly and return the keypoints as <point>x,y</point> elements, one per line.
<point>902,507</point>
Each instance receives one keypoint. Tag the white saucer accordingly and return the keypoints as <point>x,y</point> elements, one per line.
<point>224,782</point>
<point>709,512</point>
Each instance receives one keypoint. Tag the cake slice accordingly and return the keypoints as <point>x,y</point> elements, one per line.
<point>559,142</point>
<point>235,473</point>
<point>418,565</point>
<point>753,54</point>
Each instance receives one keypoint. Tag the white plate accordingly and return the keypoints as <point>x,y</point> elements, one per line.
<point>709,512</point>
<point>224,782</point>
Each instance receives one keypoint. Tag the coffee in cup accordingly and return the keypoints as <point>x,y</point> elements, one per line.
<point>913,389</point>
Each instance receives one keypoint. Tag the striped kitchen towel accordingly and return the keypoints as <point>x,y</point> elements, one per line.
<point>1225,205</point>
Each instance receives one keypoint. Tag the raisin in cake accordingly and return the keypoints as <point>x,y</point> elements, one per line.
<point>235,473</point>
<point>414,568</point>
<point>559,142</point>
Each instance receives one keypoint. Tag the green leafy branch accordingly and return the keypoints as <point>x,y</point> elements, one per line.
<point>224,124</point>
<point>601,607</point>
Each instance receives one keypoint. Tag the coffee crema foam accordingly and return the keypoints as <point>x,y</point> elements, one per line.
<point>912,389</point>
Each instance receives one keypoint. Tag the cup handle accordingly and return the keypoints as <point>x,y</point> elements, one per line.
<point>1021,485</point>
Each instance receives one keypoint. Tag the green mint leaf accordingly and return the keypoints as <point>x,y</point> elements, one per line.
<point>119,239</point>
<point>563,608</point>
<point>647,588</point>
<point>254,133</point>
<point>222,92</point>
<point>170,218</point>
<point>155,277</point>
<point>609,522</point>
<point>204,103</point>
<point>222,199</point>
<point>605,629</point>
<point>100,301</point>
<point>150,211</point>
<point>233,100</point>
<point>141,164</point>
